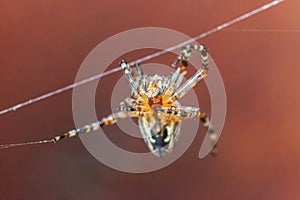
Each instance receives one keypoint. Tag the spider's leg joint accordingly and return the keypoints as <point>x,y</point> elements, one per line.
<point>124,65</point>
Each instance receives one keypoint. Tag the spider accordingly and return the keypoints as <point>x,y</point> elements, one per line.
<point>154,101</point>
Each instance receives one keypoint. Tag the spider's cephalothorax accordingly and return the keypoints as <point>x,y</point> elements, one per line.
<point>154,100</point>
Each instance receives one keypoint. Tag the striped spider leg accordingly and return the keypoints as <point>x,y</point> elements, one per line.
<point>111,119</point>
<point>190,112</point>
<point>199,75</point>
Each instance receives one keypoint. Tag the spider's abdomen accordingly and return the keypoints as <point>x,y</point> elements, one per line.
<point>160,138</point>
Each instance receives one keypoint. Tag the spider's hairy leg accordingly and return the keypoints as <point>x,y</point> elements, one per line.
<point>111,119</point>
<point>186,52</point>
<point>199,75</point>
<point>180,72</point>
<point>175,81</point>
<point>139,70</point>
<point>139,78</point>
<point>128,108</point>
<point>129,74</point>
<point>186,112</point>
<point>140,106</point>
<point>212,134</point>
<point>128,104</point>
<point>182,65</point>
<point>189,84</point>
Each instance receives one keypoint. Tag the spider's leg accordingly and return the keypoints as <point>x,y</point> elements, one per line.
<point>181,62</point>
<point>212,134</point>
<point>128,104</point>
<point>200,74</point>
<point>129,74</point>
<point>139,70</point>
<point>175,80</point>
<point>186,112</point>
<point>128,109</point>
<point>111,119</point>
<point>178,75</point>
<point>133,105</point>
<point>189,84</point>
<point>140,78</point>
<point>182,66</point>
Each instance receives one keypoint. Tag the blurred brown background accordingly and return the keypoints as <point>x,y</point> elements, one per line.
<point>43,43</point>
